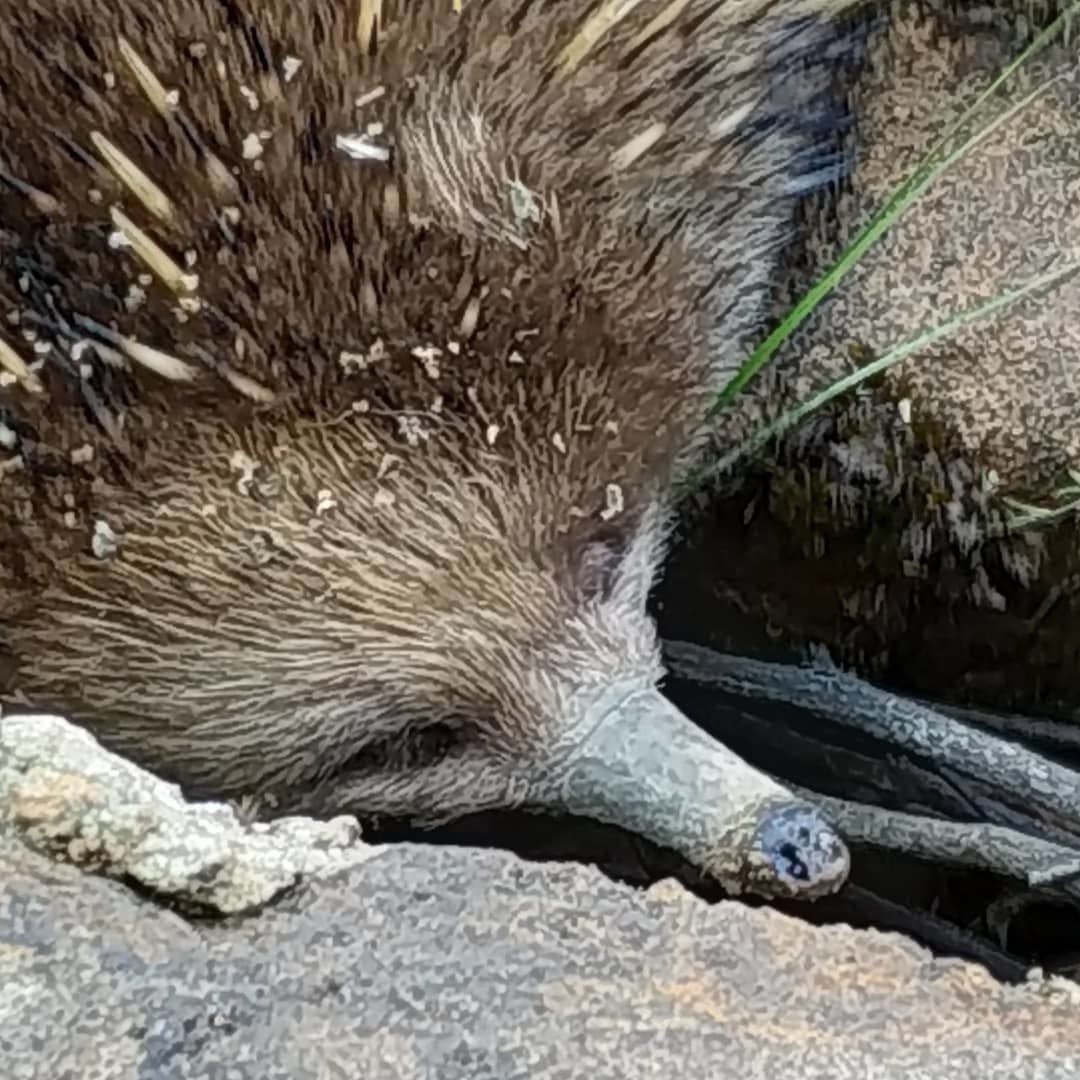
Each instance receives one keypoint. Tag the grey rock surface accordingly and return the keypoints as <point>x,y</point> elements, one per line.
<point>454,963</point>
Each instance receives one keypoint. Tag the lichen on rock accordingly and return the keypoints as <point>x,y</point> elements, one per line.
<point>64,795</point>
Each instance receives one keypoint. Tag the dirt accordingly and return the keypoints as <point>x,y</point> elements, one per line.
<point>746,580</point>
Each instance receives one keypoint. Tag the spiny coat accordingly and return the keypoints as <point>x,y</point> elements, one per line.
<point>350,354</point>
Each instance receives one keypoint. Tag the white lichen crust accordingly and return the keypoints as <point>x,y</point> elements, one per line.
<point>62,794</point>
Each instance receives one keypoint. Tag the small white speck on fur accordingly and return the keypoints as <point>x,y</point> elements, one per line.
<point>412,430</point>
<point>135,297</point>
<point>252,147</point>
<point>242,463</point>
<point>103,542</point>
<point>613,502</point>
<point>324,502</point>
<point>250,97</point>
<point>82,455</point>
<point>558,442</point>
<point>492,433</point>
<point>290,67</point>
<point>428,355</point>
<point>351,361</point>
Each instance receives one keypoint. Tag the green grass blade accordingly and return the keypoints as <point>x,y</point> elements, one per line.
<point>893,356</point>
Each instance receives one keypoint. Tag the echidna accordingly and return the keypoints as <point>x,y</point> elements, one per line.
<point>350,354</point>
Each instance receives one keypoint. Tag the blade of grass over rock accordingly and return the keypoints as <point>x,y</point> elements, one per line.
<point>930,167</point>
<point>1025,515</point>
<point>893,356</point>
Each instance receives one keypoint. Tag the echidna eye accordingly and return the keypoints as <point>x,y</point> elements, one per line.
<point>417,747</point>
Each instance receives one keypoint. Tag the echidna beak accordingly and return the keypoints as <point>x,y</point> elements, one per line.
<point>636,761</point>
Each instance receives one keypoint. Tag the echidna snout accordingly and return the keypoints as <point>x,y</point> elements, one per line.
<point>641,764</point>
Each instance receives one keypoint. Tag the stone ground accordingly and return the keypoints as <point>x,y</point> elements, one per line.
<point>450,962</point>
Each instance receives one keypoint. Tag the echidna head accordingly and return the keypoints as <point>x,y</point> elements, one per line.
<point>263,622</point>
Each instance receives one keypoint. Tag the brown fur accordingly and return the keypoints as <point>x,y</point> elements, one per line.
<point>296,588</point>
